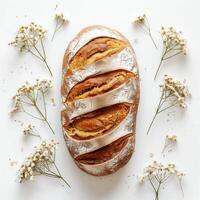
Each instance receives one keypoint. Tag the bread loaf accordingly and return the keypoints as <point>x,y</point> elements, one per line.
<point>100,95</point>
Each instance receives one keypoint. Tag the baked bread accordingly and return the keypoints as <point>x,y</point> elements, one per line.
<point>100,95</point>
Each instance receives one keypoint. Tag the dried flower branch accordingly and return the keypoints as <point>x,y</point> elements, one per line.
<point>173,93</point>
<point>29,96</point>
<point>157,174</point>
<point>170,140</point>
<point>60,22</point>
<point>29,130</point>
<point>30,39</point>
<point>41,162</point>
<point>142,22</point>
<point>173,45</point>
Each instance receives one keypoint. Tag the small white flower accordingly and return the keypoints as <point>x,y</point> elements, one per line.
<point>140,19</point>
<point>60,20</point>
<point>158,173</point>
<point>173,45</point>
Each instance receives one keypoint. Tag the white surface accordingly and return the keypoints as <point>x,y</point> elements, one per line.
<point>15,69</point>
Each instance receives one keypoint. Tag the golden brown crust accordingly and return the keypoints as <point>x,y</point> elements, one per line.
<point>98,122</point>
<point>128,149</point>
<point>109,170</point>
<point>105,153</point>
<point>94,51</point>
<point>98,84</point>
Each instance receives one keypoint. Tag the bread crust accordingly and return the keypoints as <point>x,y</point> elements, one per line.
<point>103,159</point>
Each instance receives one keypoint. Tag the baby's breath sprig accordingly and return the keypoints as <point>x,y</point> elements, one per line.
<point>170,140</point>
<point>29,130</point>
<point>173,45</point>
<point>157,174</point>
<point>60,22</point>
<point>173,93</point>
<point>142,22</point>
<point>29,95</point>
<point>29,38</point>
<point>41,162</point>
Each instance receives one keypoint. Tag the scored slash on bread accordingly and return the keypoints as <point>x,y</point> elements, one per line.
<point>95,50</point>
<point>100,90</point>
<point>98,122</point>
<point>98,84</point>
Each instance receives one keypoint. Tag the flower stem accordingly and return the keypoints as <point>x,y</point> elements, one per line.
<point>47,65</point>
<point>43,57</point>
<point>158,69</point>
<point>64,181</point>
<point>56,30</point>
<point>60,176</point>
<point>156,113</point>
<point>44,118</point>
<point>152,40</point>
<point>152,121</point>
<point>53,35</point>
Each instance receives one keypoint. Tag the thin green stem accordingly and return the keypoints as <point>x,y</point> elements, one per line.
<point>43,116</point>
<point>156,113</point>
<point>31,114</point>
<point>168,107</point>
<point>41,57</point>
<point>150,35</point>
<point>48,67</point>
<point>44,53</point>
<point>60,176</point>
<point>157,191</point>
<point>57,28</point>
<point>44,104</point>
<point>152,121</point>
<point>151,183</point>
<point>65,181</point>
<point>172,55</point>
<point>159,66</point>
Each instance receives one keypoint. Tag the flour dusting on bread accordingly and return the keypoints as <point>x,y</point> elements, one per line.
<point>100,94</point>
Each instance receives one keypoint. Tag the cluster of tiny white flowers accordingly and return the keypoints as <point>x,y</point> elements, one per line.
<point>43,85</point>
<point>28,36</point>
<point>33,165</point>
<point>173,39</point>
<point>28,129</point>
<point>175,89</point>
<point>160,172</point>
<point>28,89</point>
<point>61,18</point>
<point>140,19</point>
<point>171,138</point>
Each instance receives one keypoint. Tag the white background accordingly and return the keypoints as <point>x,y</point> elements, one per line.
<point>15,69</point>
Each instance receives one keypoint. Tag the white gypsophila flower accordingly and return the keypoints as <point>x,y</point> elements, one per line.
<point>60,21</point>
<point>173,39</point>
<point>29,90</point>
<point>173,93</point>
<point>41,162</point>
<point>173,45</point>
<point>29,38</point>
<point>61,18</point>
<point>158,174</point>
<point>170,141</point>
<point>175,89</point>
<point>29,130</point>
<point>41,156</point>
<point>29,96</point>
<point>140,19</point>
<point>43,85</point>
<point>142,22</point>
